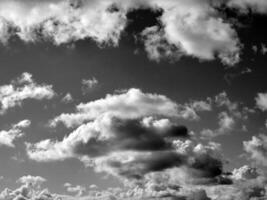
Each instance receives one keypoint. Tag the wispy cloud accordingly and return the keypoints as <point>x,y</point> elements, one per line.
<point>21,89</point>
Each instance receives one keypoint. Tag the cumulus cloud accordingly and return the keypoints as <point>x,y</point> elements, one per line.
<point>231,116</point>
<point>132,134</point>
<point>136,137</point>
<point>130,104</point>
<point>245,173</point>
<point>67,98</point>
<point>28,192</point>
<point>78,189</point>
<point>21,89</point>
<point>31,180</point>
<point>261,101</point>
<point>226,124</point>
<point>107,134</point>
<point>187,27</point>
<point>61,21</point>
<point>88,85</point>
<point>7,137</point>
<point>192,28</point>
<point>248,183</point>
<point>257,149</point>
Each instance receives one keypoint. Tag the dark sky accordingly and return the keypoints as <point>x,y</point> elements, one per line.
<point>90,65</point>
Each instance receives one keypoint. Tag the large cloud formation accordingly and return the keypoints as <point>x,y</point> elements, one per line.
<point>187,27</point>
<point>135,136</point>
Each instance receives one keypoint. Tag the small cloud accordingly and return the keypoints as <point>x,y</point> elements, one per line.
<point>21,89</point>
<point>67,98</point>
<point>88,85</point>
<point>7,137</point>
<point>78,189</point>
<point>31,180</point>
<point>261,101</point>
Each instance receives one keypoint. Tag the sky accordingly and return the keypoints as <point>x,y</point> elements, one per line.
<point>133,99</point>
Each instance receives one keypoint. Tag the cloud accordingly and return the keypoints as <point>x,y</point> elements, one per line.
<point>31,180</point>
<point>28,192</point>
<point>78,189</point>
<point>107,134</point>
<point>7,137</point>
<point>61,21</point>
<point>248,183</point>
<point>261,101</point>
<point>21,89</point>
<point>231,116</point>
<point>226,124</point>
<point>258,6</point>
<point>133,134</point>
<point>192,28</point>
<point>130,104</point>
<point>245,173</point>
<point>187,27</point>
<point>257,149</point>
<point>89,84</point>
<point>149,151</point>
<point>67,98</point>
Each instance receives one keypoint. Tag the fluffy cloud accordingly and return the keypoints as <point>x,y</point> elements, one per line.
<point>135,137</point>
<point>231,115</point>
<point>21,89</point>
<point>257,149</point>
<point>78,189</point>
<point>61,21</point>
<point>226,124</point>
<point>261,101</point>
<point>67,98</point>
<point>129,104</point>
<point>245,173</point>
<point>188,27</point>
<point>88,85</point>
<point>132,134</point>
<point>107,134</point>
<point>192,28</point>
<point>28,192</point>
<point>7,137</point>
<point>31,180</point>
<point>248,183</point>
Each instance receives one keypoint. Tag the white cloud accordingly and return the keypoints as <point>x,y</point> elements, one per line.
<point>61,21</point>
<point>28,192</point>
<point>88,85</point>
<point>67,98</point>
<point>194,28</point>
<point>78,189</point>
<point>31,180</point>
<point>130,104</point>
<point>21,89</point>
<point>7,137</point>
<point>257,149</point>
<point>189,27</point>
<point>23,124</point>
<point>261,101</point>
<point>245,173</point>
